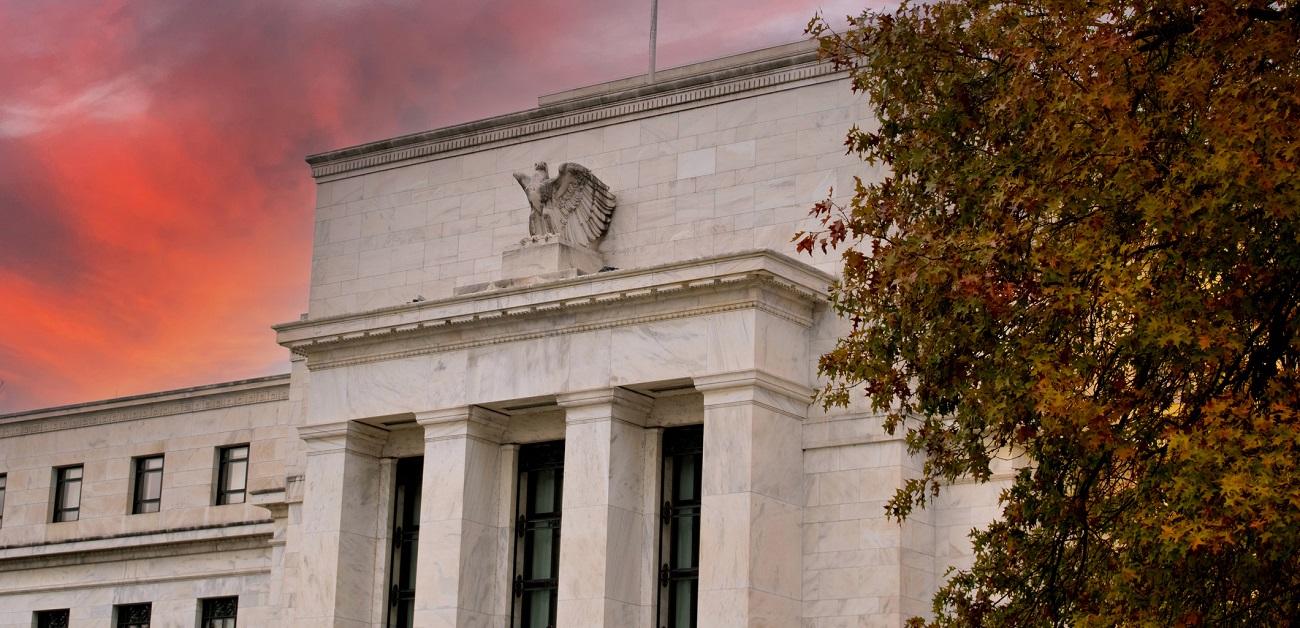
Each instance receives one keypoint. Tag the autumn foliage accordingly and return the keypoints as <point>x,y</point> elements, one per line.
<point>1086,255</point>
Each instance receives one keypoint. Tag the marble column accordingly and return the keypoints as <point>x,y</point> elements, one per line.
<point>750,536</point>
<point>603,539</point>
<point>341,525</point>
<point>457,581</point>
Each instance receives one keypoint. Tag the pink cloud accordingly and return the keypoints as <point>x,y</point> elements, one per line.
<point>155,212</point>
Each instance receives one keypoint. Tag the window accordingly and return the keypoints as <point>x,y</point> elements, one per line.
<point>219,612</point>
<point>147,494</point>
<point>3,481</point>
<point>537,534</point>
<point>406,537</point>
<point>132,615</point>
<point>232,474</point>
<point>52,619</point>
<point>67,493</point>
<point>679,544</point>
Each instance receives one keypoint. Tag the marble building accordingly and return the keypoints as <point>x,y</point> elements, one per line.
<point>579,396</point>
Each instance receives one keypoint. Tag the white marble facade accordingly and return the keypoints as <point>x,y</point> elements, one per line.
<point>417,343</point>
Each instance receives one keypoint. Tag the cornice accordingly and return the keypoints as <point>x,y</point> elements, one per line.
<point>598,109</point>
<point>167,403</point>
<point>764,269</point>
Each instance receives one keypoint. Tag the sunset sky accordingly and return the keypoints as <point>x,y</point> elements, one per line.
<point>155,209</point>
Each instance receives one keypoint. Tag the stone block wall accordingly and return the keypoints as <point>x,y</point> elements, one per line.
<point>696,180</point>
<point>172,585</point>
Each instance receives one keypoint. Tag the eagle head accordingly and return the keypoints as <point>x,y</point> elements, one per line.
<point>531,181</point>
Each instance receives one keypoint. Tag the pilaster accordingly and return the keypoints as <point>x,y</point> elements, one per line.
<point>605,524</point>
<point>341,525</point>
<point>507,487</point>
<point>750,529</point>
<point>457,579</point>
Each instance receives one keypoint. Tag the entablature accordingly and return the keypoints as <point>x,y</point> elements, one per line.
<point>761,279</point>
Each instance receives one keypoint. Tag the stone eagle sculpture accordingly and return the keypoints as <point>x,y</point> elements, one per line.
<point>574,206</point>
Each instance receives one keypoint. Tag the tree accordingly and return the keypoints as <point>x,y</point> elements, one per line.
<point>1086,253</point>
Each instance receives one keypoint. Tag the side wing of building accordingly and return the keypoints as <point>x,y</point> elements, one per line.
<point>92,530</point>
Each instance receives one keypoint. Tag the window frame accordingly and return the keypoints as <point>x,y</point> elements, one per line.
<point>138,475</point>
<point>119,621</point>
<point>224,464</point>
<point>61,481</point>
<point>534,458</point>
<point>43,618</point>
<point>208,612</point>
<point>4,486</point>
<point>679,443</point>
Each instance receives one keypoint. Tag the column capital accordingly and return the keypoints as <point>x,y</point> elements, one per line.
<point>463,421</point>
<point>619,404</point>
<point>350,436</point>
<point>755,386</point>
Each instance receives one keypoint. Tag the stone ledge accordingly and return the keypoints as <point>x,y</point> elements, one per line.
<point>710,71</point>
<point>171,541</point>
<point>516,282</point>
<point>137,580</point>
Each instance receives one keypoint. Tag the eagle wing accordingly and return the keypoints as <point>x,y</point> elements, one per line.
<point>584,204</point>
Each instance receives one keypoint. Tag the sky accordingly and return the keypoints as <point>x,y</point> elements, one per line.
<point>155,208</point>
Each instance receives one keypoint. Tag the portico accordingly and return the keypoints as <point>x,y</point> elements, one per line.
<point>720,341</point>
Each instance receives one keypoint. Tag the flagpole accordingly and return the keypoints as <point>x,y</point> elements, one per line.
<point>654,24</point>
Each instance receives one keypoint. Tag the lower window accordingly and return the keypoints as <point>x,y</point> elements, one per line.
<point>679,546</point>
<point>537,534</point>
<point>52,618</point>
<point>132,615</point>
<point>219,612</point>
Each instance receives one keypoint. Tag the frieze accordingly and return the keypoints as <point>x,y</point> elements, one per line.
<point>560,331</point>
